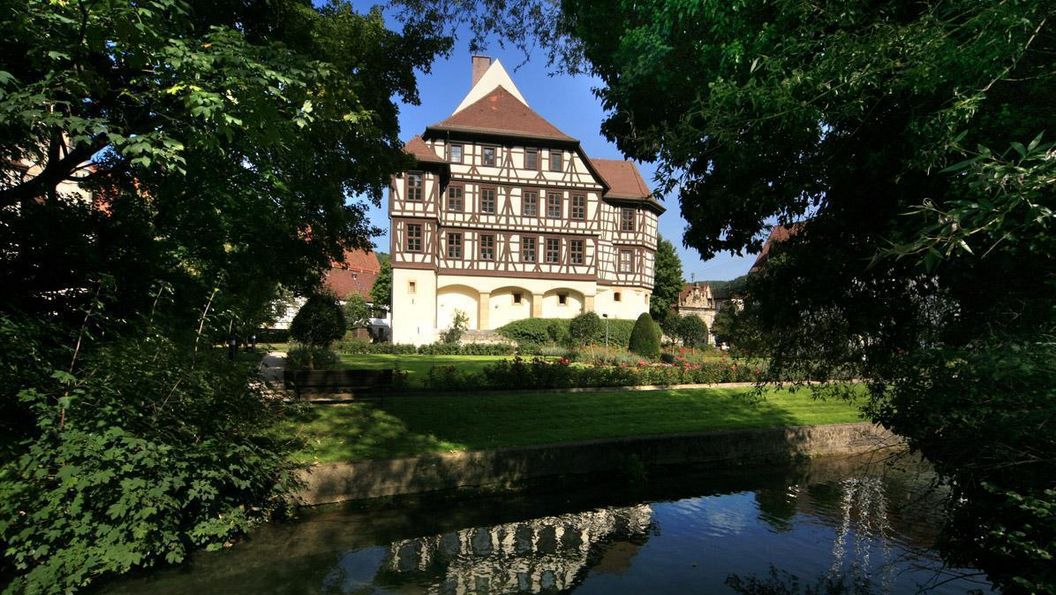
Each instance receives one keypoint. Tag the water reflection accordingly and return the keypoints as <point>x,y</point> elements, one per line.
<point>839,525</point>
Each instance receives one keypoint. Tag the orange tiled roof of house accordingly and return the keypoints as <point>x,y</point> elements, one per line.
<point>354,276</point>
<point>421,151</point>
<point>778,233</point>
<point>501,113</point>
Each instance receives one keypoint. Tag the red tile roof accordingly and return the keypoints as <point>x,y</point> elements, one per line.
<point>500,112</point>
<point>354,276</point>
<point>778,233</point>
<point>625,181</point>
<point>423,152</point>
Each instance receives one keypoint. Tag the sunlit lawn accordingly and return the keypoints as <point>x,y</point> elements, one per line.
<point>406,426</point>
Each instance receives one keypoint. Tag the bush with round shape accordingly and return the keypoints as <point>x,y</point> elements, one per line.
<point>645,337</point>
<point>319,322</point>
<point>585,328</point>
<point>693,331</point>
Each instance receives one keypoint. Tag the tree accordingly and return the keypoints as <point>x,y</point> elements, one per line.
<point>585,328</point>
<point>667,280</point>
<point>669,326</point>
<point>357,312</point>
<point>319,322</point>
<point>225,143</point>
<point>645,337</point>
<point>381,292</point>
<point>458,327</point>
<point>693,331</point>
<point>723,325</point>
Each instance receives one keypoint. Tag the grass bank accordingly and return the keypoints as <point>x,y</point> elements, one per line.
<point>450,422</point>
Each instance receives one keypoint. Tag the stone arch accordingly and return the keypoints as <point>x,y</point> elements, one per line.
<point>450,298</point>
<point>505,306</point>
<point>573,305</point>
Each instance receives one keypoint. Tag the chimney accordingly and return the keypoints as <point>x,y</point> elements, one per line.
<point>480,66</point>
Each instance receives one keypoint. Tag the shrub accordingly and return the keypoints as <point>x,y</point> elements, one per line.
<point>150,451</point>
<point>669,326</point>
<point>458,327</point>
<point>585,328</point>
<point>357,312</point>
<point>534,330</point>
<point>693,331</point>
<point>310,358</point>
<point>319,322</point>
<point>645,337</point>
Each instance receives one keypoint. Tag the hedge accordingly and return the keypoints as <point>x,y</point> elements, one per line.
<point>542,374</point>
<point>549,331</point>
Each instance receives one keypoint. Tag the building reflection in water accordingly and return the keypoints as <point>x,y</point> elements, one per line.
<point>543,555</point>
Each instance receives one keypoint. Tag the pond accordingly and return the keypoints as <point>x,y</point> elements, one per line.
<point>863,524</point>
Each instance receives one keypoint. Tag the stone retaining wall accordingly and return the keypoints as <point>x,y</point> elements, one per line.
<point>337,482</point>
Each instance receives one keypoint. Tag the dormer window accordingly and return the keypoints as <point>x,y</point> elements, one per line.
<point>488,156</point>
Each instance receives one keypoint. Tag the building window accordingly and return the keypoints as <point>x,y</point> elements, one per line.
<point>487,247</point>
<point>455,198</point>
<point>626,219</point>
<point>414,186</point>
<point>454,245</point>
<point>579,207</point>
<point>527,249</point>
<point>412,287</point>
<point>530,203</point>
<point>414,237</point>
<point>517,298</point>
<point>487,200</point>
<point>454,153</point>
<point>562,298</point>
<point>555,160</point>
<point>488,154</point>
<point>553,205</point>
<point>553,251</point>
<point>576,251</point>
<point>616,296</point>
<point>531,159</point>
<point>626,261</point>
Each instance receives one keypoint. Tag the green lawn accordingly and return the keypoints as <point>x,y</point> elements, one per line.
<point>405,426</point>
<point>417,366</point>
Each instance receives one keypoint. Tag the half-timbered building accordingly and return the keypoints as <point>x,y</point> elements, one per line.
<point>505,217</point>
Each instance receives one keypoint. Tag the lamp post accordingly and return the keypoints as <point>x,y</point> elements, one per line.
<point>606,317</point>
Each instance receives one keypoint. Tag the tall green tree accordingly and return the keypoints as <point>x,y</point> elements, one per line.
<point>381,292</point>
<point>667,280</point>
<point>225,143</point>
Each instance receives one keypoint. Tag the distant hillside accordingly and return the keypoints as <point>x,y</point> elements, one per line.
<point>383,257</point>
<point>724,290</point>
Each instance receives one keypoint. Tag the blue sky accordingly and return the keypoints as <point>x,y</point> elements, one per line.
<point>568,103</point>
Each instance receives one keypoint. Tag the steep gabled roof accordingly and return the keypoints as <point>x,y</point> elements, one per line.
<point>421,151</point>
<point>625,182</point>
<point>499,112</point>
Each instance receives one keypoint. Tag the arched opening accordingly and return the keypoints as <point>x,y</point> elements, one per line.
<point>453,298</point>
<point>508,304</point>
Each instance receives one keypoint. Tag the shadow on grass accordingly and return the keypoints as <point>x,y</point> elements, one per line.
<point>356,432</point>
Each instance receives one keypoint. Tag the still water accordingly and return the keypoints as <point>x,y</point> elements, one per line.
<point>862,524</point>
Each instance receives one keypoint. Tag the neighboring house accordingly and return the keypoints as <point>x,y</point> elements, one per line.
<point>697,299</point>
<point>356,275</point>
<point>505,217</point>
<point>778,233</point>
